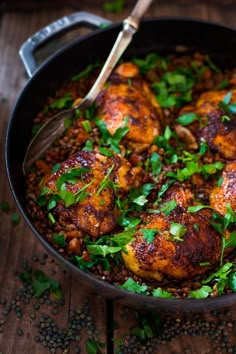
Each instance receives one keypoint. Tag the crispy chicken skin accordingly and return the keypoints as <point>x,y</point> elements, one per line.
<point>220,135</point>
<point>95,214</point>
<point>182,196</point>
<point>225,194</point>
<point>128,96</point>
<point>167,256</point>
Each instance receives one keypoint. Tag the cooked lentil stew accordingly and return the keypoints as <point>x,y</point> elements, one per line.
<point>140,190</point>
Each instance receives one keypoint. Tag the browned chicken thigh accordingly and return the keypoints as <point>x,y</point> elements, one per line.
<point>225,194</point>
<point>216,126</point>
<point>182,242</point>
<point>87,184</point>
<point>127,96</point>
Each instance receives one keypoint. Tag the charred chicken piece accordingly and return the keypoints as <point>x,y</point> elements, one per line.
<point>182,196</point>
<point>181,242</point>
<point>217,127</point>
<point>128,96</point>
<point>225,194</point>
<point>86,184</point>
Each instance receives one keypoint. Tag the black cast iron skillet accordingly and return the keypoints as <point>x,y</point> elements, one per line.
<point>162,35</point>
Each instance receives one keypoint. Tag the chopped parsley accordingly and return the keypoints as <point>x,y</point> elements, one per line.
<point>175,88</point>
<point>85,73</point>
<point>224,277</point>
<point>59,239</point>
<point>187,118</point>
<point>149,234</point>
<point>133,286</point>
<point>41,282</point>
<point>150,62</point>
<point>159,292</point>
<point>201,293</point>
<point>226,106</point>
<point>113,141</point>
<point>168,207</point>
<point>63,102</point>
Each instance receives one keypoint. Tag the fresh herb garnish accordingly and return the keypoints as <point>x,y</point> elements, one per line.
<point>87,126</point>
<point>222,277</point>
<point>150,62</point>
<point>226,106</point>
<point>41,282</point>
<point>159,292</point>
<point>85,73</point>
<point>59,239</point>
<point>109,245</point>
<point>168,207</point>
<point>187,118</point>
<point>212,65</point>
<point>102,250</point>
<point>113,141</point>
<point>225,119</point>
<point>156,164</point>
<point>201,293</point>
<point>106,182</point>
<point>221,224</point>
<point>196,208</point>
<point>149,234</point>
<point>63,102</point>
<point>133,286</point>
<point>51,218</point>
<point>193,167</point>
<point>94,347</point>
<point>175,88</point>
<point>88,146</point>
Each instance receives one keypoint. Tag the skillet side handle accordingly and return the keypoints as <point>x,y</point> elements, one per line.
<point>77,19</point>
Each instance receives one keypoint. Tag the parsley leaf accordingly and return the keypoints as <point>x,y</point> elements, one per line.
<point>85,73</point>
<point>150,62</point>
<point>196,208</point>
<point>228,107</point>
<point>162,293</point>
<point>62,102</point>
<point>102,250</point>
<point>133,286</point>
<point>155,163</point>
<point>168,207</point>
<point>114,140</point>
<point>59,239</point>
<point>201,293</point>
<point>187,118</point>
<point>41,282</point>
<point>174,89</point>
<point>149,234</point>
<point>221,272</point>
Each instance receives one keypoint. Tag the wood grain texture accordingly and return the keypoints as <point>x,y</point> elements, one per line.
<point>17,242</point>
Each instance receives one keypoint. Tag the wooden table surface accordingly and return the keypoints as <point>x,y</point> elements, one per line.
<point>17,244</point>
